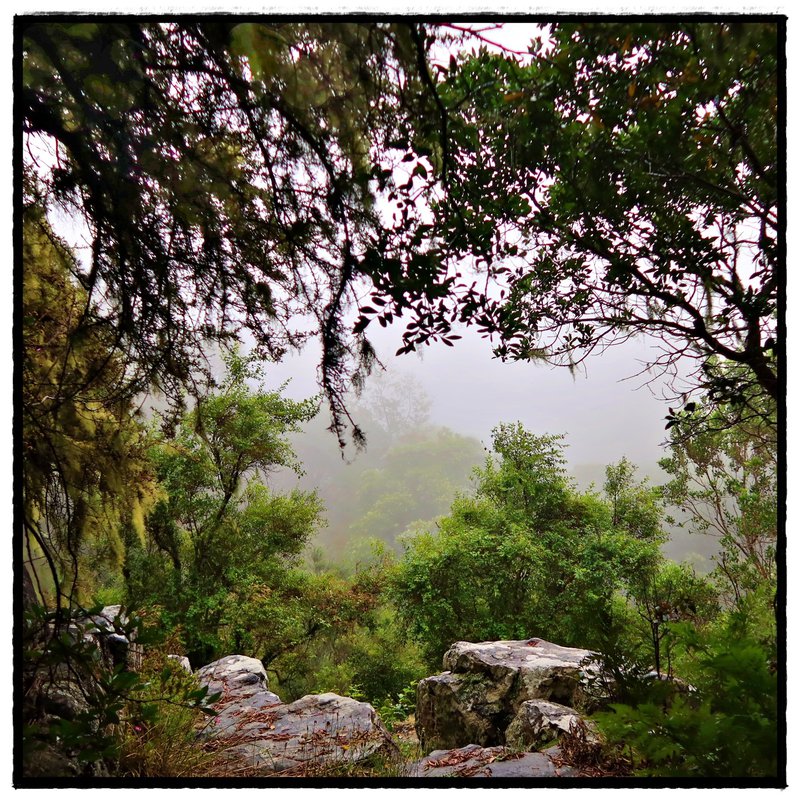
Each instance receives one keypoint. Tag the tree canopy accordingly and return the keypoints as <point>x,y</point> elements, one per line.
<point>622,179</point>
<point>725,477</point>
<point>525,553</point>
<point>226,172</point>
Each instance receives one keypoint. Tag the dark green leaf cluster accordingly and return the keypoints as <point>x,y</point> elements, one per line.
<point>226,174</point>
<point>64,658</point>
<point>622,180</point>
<point>726,726</point>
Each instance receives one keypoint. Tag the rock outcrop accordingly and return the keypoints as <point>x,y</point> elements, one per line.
<point>118,647</point>
<point>62,692</point>
<point>485,716</point>
<point>265,736</point>
<point>479,695</point>
<point>235,677</point>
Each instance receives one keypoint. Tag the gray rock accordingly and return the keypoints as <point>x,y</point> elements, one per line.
<point>451,708</point>
<point>476,699</point>
<point>61,688</point>
<point>50,761</point>
<point>539,669</point>
<point>540,721</point>
<point>316,731</point>
<point>677,684</point>
<point>116,648</point>
<point>473,761</point>
<point>108,617</point>
<point>237,675</point>
<point>260,734</point>
<point>182,661</point>
<point>64,698</point>
<point>78,633</point>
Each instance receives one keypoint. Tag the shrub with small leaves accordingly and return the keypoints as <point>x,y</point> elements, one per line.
<point>727,727</point>
<point>80,704</point>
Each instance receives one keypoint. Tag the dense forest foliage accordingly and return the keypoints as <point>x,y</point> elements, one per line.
<point>289,181</point>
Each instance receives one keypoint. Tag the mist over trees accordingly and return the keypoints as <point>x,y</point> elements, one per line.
<point>280,182</point>
<point>409,472</point>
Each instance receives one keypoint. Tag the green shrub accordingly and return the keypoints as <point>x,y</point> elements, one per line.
<point>726,726</point>
<point>400,706</point>
<point>527,555</point>
<point>158,733</point>
<point>111,700</point>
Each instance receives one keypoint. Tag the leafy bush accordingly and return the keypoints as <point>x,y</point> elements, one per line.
<point>81,705</point>
<point>158,736</point>
<point>400,706</point>
<point>726,727</point>
<point>366,655</point>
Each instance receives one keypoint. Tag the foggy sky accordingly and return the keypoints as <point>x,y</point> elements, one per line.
<point>603,416</point>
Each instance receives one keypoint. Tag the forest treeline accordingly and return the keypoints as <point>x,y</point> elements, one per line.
<point>235,177</point>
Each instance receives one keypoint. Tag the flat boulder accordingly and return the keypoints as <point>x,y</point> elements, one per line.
<point>473,761</point>
<point>260,735</point>
<point>532,668</point>
<point>477,697</point>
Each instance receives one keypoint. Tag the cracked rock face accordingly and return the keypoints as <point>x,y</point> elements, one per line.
<point>474,761</point>
<point>262,735</point>
<point>477,698</point>
<point>239,676</point>
<point>538,722</point>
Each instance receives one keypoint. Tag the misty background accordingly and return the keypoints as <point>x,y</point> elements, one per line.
<point>428,419</point>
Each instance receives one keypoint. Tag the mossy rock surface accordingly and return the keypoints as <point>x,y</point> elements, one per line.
<point>478,696</point>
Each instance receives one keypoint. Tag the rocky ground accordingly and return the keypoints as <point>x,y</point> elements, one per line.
<point>506,709</point>
<point>492,713</point>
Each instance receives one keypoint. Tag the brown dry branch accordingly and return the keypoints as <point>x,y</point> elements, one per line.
<point>590,757</point>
